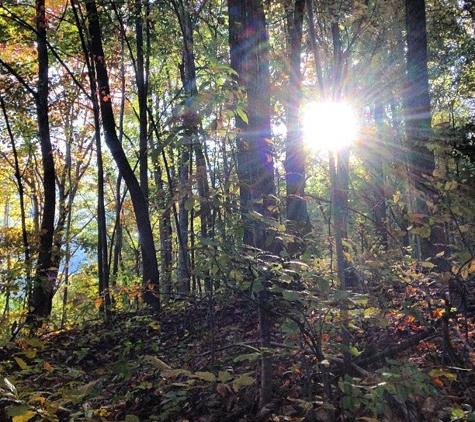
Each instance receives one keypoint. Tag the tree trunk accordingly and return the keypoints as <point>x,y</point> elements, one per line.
<point>141,76</point>
<point>149,258</point>
<point>191,119</point>
<point>297,214</point>
<point>380,211</point>
<point>249,49</point>
<point>41,299</point>
<point>417,115</point>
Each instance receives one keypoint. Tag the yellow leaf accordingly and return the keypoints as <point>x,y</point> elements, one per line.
<point>21,363</point>
<point>154,325</point>
<point>30,353</point>
<point>29,414</point>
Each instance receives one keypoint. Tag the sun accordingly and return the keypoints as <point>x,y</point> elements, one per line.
<point>328,126</point>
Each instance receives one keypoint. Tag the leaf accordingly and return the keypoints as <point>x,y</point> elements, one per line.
<point>21,363</point>
<point>247,356</point>
<point>438,372</point>
<point>242,381</point>
<point>189,204</point>
<point>242,114</point>
<point>304,404</point>
<point>98,302</point>
<point>86,389</point>
<point>154,325</point>
<point>174,373</point>
<point>365,418</point>
<point>207,376</point>
<point>158,363</point>
<point>131,418</point>
<point>291,295</point>
<point>299,263</point>
<point>224,376</point>
<point>21,413</point>
<point>9,385</point>
<point>35,342</point>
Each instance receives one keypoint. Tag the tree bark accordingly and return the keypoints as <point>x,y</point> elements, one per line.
<point>41,298</point>
<point>380,209</point>
<point>297,215</point>
<point>249,50</point>
<point>141,76</point>
<point>150,273</point>
<point>417,113</point>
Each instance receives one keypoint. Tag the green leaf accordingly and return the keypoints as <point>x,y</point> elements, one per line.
<point>247,356</point>
<point>354,351</point>
<point>291,295</point>
<point>131,418</point>
<point>189,204</point>
<point>242,114</point>
<point>242,381</point>
<point>224,376</point>
<point>21,363</point>
<point>207,376</point>
<point>35,342</point>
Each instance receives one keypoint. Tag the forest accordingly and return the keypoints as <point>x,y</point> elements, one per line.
<point>237,210</point>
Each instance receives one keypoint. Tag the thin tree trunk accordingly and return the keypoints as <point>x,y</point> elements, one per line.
<point>142,91</point>
<point>147,246</point>
<point>191,118</point>
<point>184,271</point>
<point>21,194</point>
<point>380,210</point>
<point>41,299</point>
<point>297,214</point>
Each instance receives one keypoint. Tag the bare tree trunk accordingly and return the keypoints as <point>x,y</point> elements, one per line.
<point>191,118</point>
<point>249,58</point>
<point>380,210</point>
<point>297,215</point>
<point>150,266</point>
<point>141,77</point>
<point>417,115</point>
<point>184,270</point>
<point>41,299</point>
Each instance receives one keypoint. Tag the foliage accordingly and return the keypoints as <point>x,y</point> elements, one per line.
<point>410,320</point>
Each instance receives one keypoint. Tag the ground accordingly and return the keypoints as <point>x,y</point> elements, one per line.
<point>200,362</point>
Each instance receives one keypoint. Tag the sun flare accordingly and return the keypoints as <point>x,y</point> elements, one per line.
<point>328,126</point>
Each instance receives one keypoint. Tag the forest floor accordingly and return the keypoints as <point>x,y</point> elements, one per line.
<point>201,363</point>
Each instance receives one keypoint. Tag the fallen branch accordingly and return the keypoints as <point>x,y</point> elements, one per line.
<point>398,348</point>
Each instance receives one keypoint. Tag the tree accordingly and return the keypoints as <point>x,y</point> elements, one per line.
<point>417,114</point>
<point>249,58</point>
<point>295,156</point>
<point>150,266</point>
<point>41,298</point>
